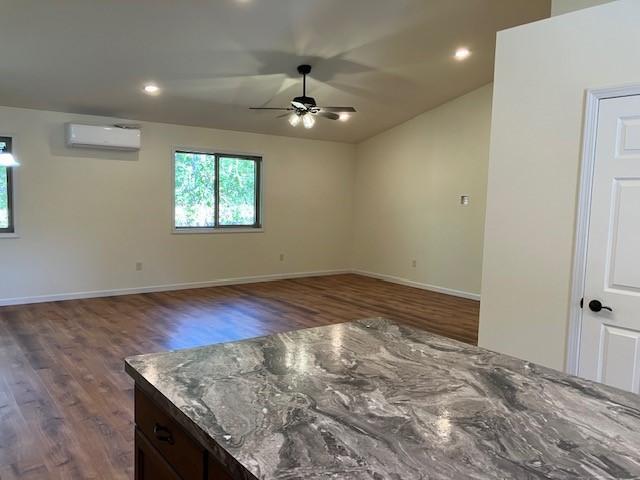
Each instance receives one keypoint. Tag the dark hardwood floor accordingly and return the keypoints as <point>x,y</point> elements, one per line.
<point>66,406</point>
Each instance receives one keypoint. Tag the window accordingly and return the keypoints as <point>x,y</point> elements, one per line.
<point>214,191</point>
<point>6,191</point>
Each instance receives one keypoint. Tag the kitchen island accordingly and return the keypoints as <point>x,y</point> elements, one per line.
<point>372,399</point>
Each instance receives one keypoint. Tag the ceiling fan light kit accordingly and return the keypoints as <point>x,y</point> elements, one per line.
<point>305,108</point>
<point>308,121</point>
<point>294,119</point>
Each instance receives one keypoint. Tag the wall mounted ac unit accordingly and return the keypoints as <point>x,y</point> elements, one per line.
<point>112,137</point>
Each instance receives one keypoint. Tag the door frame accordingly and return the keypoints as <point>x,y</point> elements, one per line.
<point>587,163</point>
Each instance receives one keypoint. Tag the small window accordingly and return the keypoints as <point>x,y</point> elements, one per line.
<point>215,191</point>
<point>6,191</point>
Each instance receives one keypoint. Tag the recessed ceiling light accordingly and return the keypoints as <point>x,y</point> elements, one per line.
<point>462,53</point>
<point>344,116</point>
<point>151,89</point>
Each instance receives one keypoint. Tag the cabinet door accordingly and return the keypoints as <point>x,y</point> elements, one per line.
<point>149,463</point>
<point>217,471</point>
<point>172,442</point>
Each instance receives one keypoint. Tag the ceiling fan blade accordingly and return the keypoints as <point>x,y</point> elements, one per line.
<point>270,108</point>
<point>284,115</point>
<point>329,115</point>
<point>338,109</point>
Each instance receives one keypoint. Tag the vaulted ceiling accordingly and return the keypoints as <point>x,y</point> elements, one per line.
<point>391,59</point>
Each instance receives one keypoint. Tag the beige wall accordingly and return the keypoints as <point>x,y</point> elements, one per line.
<point>408,184</point>
<point>558,7</point>
<point>85,217</point>
<point>542,71</point>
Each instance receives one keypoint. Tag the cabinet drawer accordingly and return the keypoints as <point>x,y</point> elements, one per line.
<point>149,464</point>
<point>184,455</point>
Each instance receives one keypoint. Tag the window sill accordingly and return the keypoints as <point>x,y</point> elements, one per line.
<point>9,235</point>
<point>200,231</point>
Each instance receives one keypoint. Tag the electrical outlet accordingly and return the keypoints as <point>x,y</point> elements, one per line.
<point>282,257</point>
<point>138,266</point>
<point>414,263</point>
<point>464,200</point>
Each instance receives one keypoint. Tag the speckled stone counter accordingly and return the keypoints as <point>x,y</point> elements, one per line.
<point>372,399</point>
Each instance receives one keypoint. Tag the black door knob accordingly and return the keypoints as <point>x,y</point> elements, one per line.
<point>596,306</point>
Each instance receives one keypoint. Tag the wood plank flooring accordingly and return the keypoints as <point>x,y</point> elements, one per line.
<point>66,406</point>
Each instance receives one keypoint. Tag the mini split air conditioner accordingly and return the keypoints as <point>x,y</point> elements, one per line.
<point>111,137</point>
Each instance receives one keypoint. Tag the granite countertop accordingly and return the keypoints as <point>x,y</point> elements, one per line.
<point>375,400</point>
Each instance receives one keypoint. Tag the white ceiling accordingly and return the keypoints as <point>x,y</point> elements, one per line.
<point>391,59</point>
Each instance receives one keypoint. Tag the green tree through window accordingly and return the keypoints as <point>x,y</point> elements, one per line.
<point>216,191</point>
<point>237,191</point>
<point>4,198</point>
<point>194,190</point>
<point>6,214</point>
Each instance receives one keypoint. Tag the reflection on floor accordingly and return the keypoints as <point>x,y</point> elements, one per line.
<point>66,406</point>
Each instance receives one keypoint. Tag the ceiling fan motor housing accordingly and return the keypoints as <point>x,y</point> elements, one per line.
<point>306,101</point>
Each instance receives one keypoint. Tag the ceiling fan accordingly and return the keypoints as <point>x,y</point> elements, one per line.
<point>304,109</point>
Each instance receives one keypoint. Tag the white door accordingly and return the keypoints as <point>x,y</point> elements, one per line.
<point>610,338</point>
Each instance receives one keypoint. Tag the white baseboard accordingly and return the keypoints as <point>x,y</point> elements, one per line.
<point>166,288</point>
<point>423,286</point>
<point>229,281</point>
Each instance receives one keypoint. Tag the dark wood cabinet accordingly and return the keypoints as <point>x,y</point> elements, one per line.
<point>165,451</point>
<point>149,464</point>
<point>216,471</point>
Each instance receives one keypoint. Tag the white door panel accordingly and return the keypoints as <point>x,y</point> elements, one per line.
<point>624,274</point>
<point>619,345</point>
<point>610,340</point>
<point>628,137</point>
